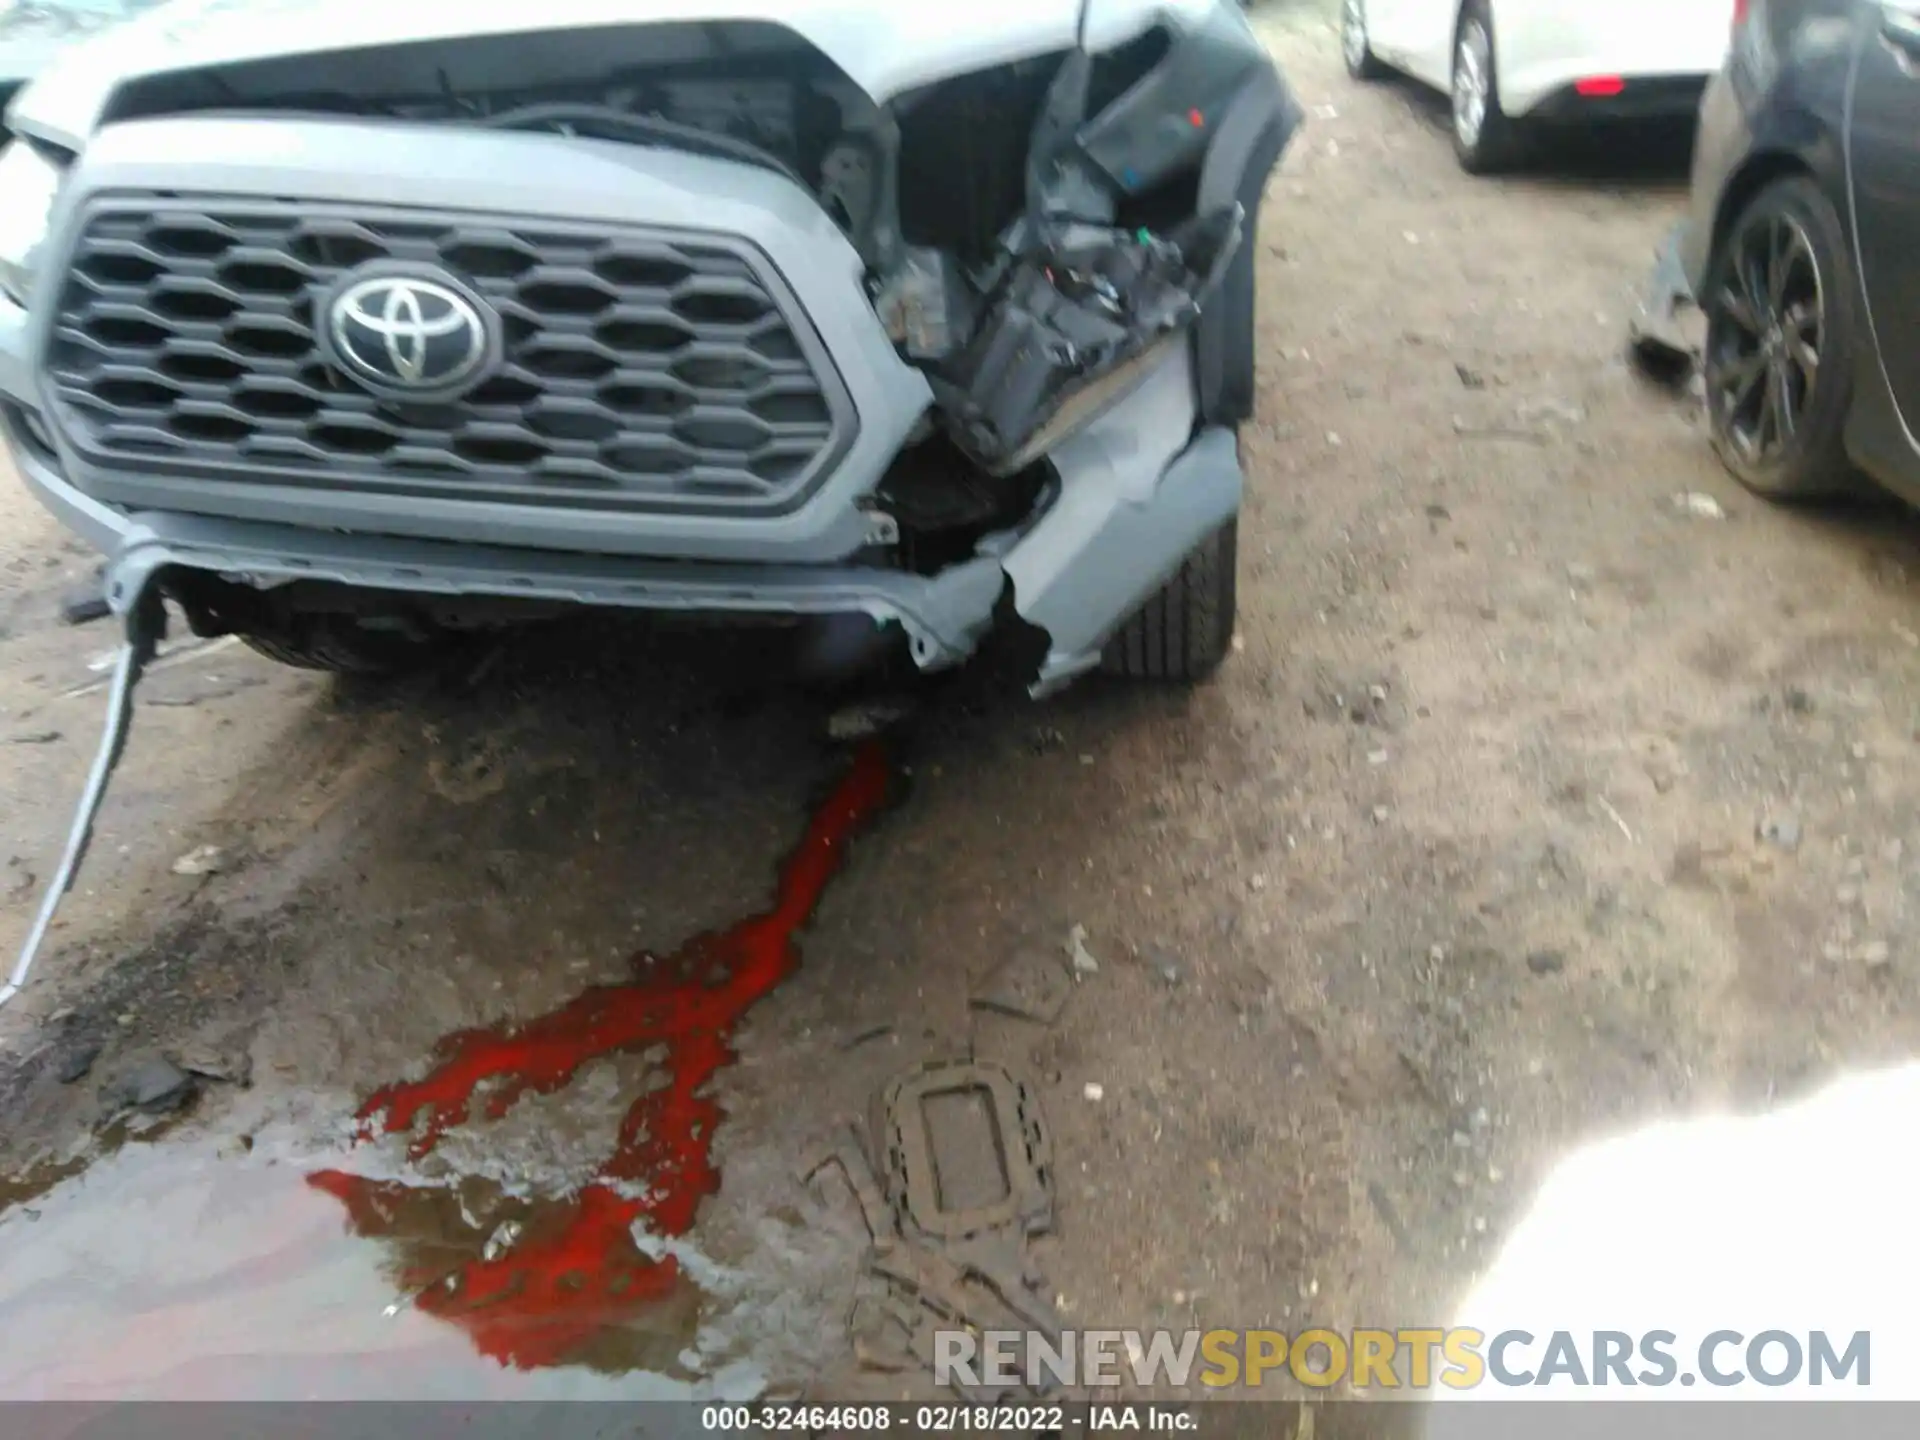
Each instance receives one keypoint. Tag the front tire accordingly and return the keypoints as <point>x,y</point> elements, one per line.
<point>1182,634</point>
<point>1484,139</point>
<point>1780,334</point>
<point>336,645</point>
<point>1356,47</point>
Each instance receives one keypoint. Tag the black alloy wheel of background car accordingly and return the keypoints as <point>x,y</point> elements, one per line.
<point>1798,251</point>
<point>1776,304</point>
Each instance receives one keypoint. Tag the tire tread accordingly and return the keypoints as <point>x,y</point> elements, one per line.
<point>320,645</point>
<point>1821,469</point>
<point>1185,630</point>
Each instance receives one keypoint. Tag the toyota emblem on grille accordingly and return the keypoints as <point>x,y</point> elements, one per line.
<point>409,333</point>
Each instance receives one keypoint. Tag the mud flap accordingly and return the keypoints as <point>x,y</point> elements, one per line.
<point>1135,500</point>
<point>145,619</point>
<point>1666,331</point>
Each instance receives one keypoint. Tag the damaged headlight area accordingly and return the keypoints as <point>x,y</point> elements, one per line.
<point>1107,262</point>
<point>1072,331</point>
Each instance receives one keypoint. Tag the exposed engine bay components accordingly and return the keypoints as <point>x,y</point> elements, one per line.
<point>927,305</point>
<point>849,185</point>
<point>1076,307</point>
<point>1071,329</point>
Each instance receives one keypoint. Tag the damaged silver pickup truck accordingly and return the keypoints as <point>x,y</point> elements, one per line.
<point>345,327</point>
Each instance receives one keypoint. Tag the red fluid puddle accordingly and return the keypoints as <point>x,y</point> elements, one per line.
<point>578,1272</point>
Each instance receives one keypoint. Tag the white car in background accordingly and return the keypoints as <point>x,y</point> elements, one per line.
<point>1512,64</point>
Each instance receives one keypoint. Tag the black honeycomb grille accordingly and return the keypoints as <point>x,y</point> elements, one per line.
<point>641,371</point>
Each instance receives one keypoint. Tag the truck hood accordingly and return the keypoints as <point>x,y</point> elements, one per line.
<point>82,50</point>
<point>31,35</point>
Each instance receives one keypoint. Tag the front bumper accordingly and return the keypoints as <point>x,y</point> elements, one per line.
<point>1135,496</point>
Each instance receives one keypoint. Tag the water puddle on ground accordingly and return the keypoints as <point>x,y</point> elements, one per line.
<point>202,1269</point>
<point>181,1271</point>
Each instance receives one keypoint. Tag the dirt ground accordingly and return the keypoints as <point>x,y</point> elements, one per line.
<point>1458,864</point>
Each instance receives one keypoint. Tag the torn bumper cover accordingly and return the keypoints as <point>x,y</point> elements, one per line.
<point>943,615</point>
<point>1667,327</point>
<point>1135,497</point>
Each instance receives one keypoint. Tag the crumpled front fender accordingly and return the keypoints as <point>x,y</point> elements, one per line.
<point>1137,495</point>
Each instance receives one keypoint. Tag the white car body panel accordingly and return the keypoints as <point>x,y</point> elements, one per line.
<point>1542,46</point>
<point>884,49</point>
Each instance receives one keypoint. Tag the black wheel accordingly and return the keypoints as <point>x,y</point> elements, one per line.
<point>339,646</point>
<point>1779,331</point>
<point>1484,139</point>
<point>1362,64</point>
<point>1185,631</point>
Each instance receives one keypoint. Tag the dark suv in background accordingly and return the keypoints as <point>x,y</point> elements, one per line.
<point>1802,251</point>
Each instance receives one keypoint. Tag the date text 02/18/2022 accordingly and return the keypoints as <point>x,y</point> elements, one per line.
<point>1022,1420</point>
